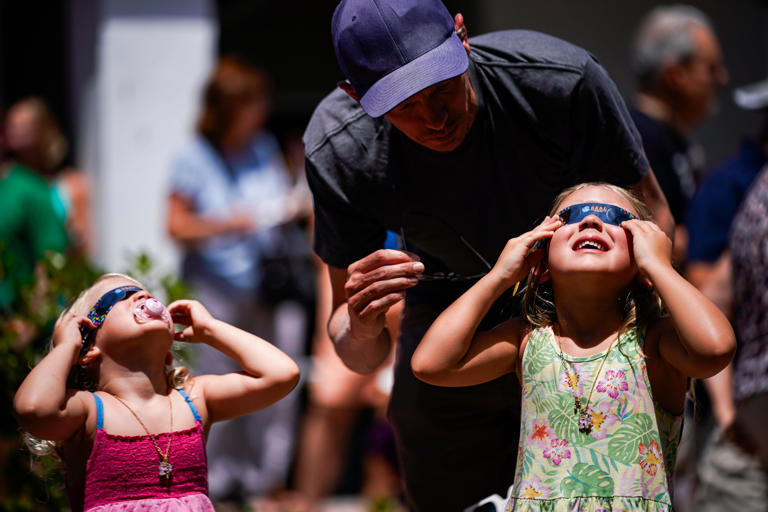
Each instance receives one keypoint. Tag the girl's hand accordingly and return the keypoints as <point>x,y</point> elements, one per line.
<point>196,319</point>
<point>649,244</point>
<point>67,332</point>
<point>521,253</point>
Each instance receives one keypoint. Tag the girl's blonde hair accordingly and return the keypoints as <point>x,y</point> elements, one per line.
<point>641,306</point>
<point>86,377</point>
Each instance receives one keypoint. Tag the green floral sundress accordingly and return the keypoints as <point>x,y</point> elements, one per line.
<point>624,463</point>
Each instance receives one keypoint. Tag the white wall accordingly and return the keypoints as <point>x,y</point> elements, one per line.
<point>137,103</point>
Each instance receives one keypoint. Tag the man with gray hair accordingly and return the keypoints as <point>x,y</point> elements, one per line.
<point>678,68</point>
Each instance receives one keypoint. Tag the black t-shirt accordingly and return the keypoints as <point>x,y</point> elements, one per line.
<point>548,117</point>
<point>672,160</point>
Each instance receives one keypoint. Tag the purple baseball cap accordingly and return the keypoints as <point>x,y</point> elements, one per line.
<point>391,49</point>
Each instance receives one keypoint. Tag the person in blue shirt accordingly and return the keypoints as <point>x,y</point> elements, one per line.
<point>229,193</point>
<point>730,476</point>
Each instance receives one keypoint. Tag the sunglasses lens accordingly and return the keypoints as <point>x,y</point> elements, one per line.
<point>608,213</point>
<point>100,310</point>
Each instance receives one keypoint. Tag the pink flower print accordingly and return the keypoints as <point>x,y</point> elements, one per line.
<point>533,489</point>
<point>557,451</point>
<point>570,380</point>
<point>651,457</point>
<point>601,419</point>
<point>615,382</point>
<point>541,433</point>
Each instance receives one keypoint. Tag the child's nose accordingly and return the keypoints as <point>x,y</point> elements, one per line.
<point>591,221</point>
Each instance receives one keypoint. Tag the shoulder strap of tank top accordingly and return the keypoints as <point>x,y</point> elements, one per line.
<point>99,411</point>
<point>189,402</point>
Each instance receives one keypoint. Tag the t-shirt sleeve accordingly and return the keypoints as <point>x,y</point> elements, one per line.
<point>709,219</point>
<point>185,177</point>
<point>343,233</point>
<point>608,145</point>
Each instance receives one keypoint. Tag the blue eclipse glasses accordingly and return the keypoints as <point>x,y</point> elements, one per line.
<point>99,312</point>
<point>608,213</point>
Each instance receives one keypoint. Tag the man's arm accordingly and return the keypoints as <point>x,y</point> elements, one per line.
<point>649,191</point>
<point>362,296</point>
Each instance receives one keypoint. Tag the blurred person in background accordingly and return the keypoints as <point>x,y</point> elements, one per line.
<point>29,228</point>
<point>678,68</point>
<point>732,472</point>
<point>336,398</point>
<point>228,197</point>
<point>35,141</point>
<point>717,200</point>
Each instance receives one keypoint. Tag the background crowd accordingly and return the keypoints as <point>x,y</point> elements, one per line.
<point>237,211</point>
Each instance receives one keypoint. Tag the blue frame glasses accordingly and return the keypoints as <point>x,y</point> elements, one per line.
<point>99,312</point>
<point>608,213</point>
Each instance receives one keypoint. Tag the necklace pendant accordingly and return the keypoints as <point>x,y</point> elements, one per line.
<point>585,423</point>
<point>165,469</point>
<point>576,405</point>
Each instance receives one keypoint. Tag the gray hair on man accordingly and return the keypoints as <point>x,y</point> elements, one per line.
<point>665,36</point>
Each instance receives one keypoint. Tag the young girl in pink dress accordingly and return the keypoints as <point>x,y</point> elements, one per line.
<point>130,430</point>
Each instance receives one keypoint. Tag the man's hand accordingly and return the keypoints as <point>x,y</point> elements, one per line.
<point>362,295</point>
<point>375,284</point>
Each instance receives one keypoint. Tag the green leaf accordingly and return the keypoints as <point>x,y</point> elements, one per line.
<point>624,443</point>
<point>538,355</point>
<point>586,480</point>
<point>564,421</point>
<point>562,418</point>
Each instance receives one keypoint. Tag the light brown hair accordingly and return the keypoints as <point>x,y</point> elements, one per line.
<point>231,86</point>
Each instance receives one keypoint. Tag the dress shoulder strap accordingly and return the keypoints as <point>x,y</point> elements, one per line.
<point>189,402</point>
<point>99,411</point>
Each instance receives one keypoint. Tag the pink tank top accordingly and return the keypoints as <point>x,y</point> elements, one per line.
<point>124,469</point>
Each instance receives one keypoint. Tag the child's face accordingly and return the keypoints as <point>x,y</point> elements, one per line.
<point>135,316</point>
<point>591,245</point>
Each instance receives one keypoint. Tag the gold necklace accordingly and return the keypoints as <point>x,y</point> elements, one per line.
<point>585,416</point>
<point>165,468</point>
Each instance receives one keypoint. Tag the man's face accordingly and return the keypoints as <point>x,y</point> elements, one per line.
<point>438,117</point>
<point>703,76</point>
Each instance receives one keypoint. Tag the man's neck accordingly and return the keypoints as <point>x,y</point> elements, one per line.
<point>660,110</point>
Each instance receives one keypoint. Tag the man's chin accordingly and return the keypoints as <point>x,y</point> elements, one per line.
<point>443,145</point>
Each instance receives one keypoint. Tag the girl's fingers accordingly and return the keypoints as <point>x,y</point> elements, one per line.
<point>85,321</point>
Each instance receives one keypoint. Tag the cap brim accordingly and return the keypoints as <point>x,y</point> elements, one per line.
<point>753,96</point>
<point>441,63</point>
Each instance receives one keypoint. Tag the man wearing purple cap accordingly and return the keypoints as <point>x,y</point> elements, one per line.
<point>457,146</point>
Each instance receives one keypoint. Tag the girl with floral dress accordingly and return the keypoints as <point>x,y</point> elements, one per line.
<point>603,373</point>
<point>129,429</point>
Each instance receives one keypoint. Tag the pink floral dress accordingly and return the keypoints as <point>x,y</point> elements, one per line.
<point>622,461</point>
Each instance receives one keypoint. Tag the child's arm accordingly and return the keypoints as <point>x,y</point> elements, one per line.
<point>698,340</point>
<point>268,374</point>
<point>452,353</point>
<point>44,406</point>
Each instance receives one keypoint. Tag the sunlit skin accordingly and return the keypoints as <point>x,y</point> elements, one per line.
<point>589,286</point>
<point>121,329</point>
<point>613,268</point>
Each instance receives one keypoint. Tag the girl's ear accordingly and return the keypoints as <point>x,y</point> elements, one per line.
<point>93,354</point>
<point>168,359</point>
<point>541,271</point>
<point>644,281</point>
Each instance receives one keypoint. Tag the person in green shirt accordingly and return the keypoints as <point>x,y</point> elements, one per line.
<point>29,227</point>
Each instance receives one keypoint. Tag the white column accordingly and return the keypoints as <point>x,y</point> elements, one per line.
<point>136,110</point>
